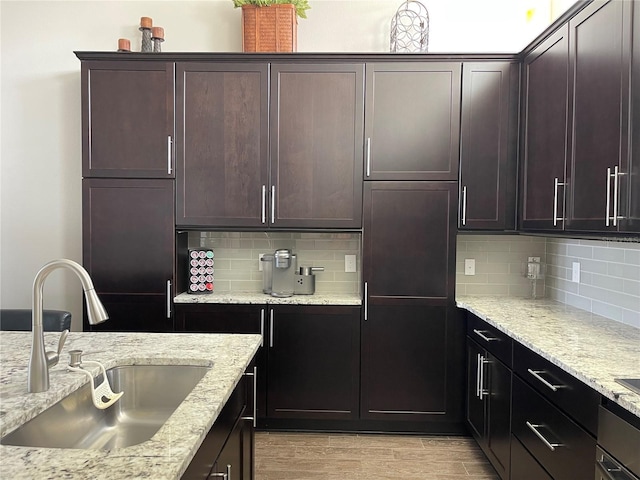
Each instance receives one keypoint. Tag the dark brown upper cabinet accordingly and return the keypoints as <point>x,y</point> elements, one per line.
<point>316,145</point>
<point>128,236</point>
<point>545,144</point>
<point>488,151</point>
<point>600,64</point>
<point>412,125</point>
<point>127,119</point>
<point>222,143</point>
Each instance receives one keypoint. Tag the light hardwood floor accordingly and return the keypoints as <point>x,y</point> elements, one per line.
<point>310,456</point>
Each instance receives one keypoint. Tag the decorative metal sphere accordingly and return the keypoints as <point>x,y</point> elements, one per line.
<point>410,28</point>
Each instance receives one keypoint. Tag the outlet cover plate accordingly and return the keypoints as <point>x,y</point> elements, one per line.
<point>350,263</point>
<point>469,266</point>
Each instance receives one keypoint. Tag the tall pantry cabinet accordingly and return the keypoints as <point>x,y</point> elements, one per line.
<point>128,191</point>
<point>412,359</point>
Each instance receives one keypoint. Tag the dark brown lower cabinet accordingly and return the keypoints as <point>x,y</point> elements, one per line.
<point>228,318</point>
<point>313,363</point>
<point>412,360</point>
<point>523,465</point>
<point>228,448</point>
<point>489,406</point>
<point>560,445</point>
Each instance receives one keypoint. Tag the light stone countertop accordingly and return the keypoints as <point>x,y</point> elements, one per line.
<point>592,348</point>
<point>262,298</point>
<point>167,454</point>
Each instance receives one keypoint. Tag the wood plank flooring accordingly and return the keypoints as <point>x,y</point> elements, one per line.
<point>311,456</point>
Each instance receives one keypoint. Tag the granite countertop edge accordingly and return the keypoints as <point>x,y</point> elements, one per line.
<point>593,349</point>
<point>260,298</point>
<point>168,453</point>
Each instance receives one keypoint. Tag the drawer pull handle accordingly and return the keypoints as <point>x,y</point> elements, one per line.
<point>536,375</point>
<point>482,335</point>
<point>606,471</point>
<point>534,429</point>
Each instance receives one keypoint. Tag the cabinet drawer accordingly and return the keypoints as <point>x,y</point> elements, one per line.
<point>561,388</point>
<point>523,465</point>
<point>490,338</point>
<point>561,446</point>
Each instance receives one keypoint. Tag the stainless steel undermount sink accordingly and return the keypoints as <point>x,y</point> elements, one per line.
<point>632,384</point>
<point>151,395</point>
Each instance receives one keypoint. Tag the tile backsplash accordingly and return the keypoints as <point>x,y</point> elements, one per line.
<point>237,257</point>
<point>609,277</point>
<point>609,271</point>
<point>499,264</point>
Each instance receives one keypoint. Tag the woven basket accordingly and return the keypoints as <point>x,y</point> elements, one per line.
<point>269,29</point>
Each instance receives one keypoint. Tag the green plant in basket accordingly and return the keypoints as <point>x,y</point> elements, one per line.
<point>301,5</point>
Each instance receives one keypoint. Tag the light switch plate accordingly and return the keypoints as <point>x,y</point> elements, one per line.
<point>469,266</point>
<point>575,272</point>
<point>350,263</point>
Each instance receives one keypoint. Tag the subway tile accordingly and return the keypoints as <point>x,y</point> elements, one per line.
<point>632,287</point>
<point>632,256</point>
<point>609,254</point>
<point>631,272</point>
<point>591,266</point>
<point>605,281</point>
<point>555,248</point>
<point>555,294</point>
<point>606,310</point>
<point>580,251</point>
<point>484,289</point>
<point>620,299</point>
<point>578,301</point>
<point>631,317</point>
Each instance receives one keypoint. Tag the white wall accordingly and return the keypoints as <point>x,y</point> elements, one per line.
<point>40,150</point>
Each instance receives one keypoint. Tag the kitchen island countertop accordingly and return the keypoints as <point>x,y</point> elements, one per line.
<point>594,349</point>
<point>167,454</point>
<point>262,298</point>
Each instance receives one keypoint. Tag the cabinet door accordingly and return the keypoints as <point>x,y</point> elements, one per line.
<point>412,364</point>
<point>412,124</point>
<point>313,362</point>
<point>475,404</point>
<point>128,247</point>
<point>498,435</point>
<point>599,53</point>
<point>409,240</point>
<point>488,146</point>
<point>223,318</point>
<point>524,466</point>
<point>630,183</point>
<point>316,145</point>
<point>546,141</point>
<point>222,144</point>
<point>127,119</point>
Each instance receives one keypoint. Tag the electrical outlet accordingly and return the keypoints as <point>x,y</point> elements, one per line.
<point>260,255</point>
<point>350,263</point>
<point>575,272</point>
<point>469,266</point>
<point>533,259</point>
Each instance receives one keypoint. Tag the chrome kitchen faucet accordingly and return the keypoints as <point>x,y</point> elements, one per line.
<point>40,361</point>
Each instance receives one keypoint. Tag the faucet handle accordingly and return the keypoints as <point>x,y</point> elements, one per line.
<point>54,357</point>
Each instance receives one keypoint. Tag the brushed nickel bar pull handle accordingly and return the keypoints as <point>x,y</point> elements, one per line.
<point>534,429</point>
<point>253,374</point>
<point>368,156</point>
<point>273,204</point>
<point>366,301</point>
<point>478,363</point>
<point>608,195</point>
<point>481,334</point>
<point>536,375</point>
<point>262,326</point>
<point>556,219</point>
<point>264,204</point>
<point>615,196</point>
<point>606,471</point>
<point>224,476</point>
<point>168,298</point>
<point>169,145</point>
<point>271,322</point>
<point>464,205</point>
<point>228,472</point>
<point>483,362</point>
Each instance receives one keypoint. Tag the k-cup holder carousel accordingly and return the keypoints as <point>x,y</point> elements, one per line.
<point>201,270</point>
